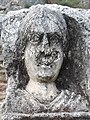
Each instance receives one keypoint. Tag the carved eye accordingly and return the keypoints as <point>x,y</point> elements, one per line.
<point>53,38</point>
<point>36,38</point>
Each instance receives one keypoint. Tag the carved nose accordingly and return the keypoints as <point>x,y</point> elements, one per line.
<point>45,41</point>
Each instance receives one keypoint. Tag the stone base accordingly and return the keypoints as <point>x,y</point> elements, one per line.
<point>47,116</point>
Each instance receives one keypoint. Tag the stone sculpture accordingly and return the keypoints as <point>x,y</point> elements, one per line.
<point>45,66</point>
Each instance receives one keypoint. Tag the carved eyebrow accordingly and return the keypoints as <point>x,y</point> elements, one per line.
<point>55,34</point>
<point>36,33</point>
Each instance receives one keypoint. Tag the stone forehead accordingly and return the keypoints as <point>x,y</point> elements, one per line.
<point>46,26</point>
<point>41,11</point>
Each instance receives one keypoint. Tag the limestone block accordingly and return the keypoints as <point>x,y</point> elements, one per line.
<point>10,5</point>
<point>47,60</point>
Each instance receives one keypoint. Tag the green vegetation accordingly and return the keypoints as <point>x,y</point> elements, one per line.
<point>27,5</point>
<point>71,3</point>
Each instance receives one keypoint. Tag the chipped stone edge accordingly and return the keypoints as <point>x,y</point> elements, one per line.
<point>51,115</point>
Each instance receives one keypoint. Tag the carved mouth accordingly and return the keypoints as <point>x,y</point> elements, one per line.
<point>44,70</point>
<point>45,73</point>
<point>46,78</point>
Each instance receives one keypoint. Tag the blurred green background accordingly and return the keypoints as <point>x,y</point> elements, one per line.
<point>72,3</point>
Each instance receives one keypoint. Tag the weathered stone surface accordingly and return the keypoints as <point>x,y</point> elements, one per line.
<point>2,70</point>
<point>48,116</point>
<point>85,3</point>
<point>27,3</point>
<point>5,2</point>
<point>1,19</point>
<point>85,12</point>
<point>9,5</point>
<point>19,37</point>
<point>2,7</point>
<point>2,91</point>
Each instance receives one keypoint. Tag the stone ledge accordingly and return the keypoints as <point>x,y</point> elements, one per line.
<point>47,116</point>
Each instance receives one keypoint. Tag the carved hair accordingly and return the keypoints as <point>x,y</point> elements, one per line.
<point>37,15</point>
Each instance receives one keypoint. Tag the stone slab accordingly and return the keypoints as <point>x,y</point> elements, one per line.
<point>11,25</point>
<point>48,116</point>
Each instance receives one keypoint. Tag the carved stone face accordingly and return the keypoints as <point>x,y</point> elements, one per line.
<point>43,54</point>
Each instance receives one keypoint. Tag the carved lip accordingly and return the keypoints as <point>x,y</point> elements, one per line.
<point>46,78</point>
<point>45,73</point>
<point>44,66</point>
